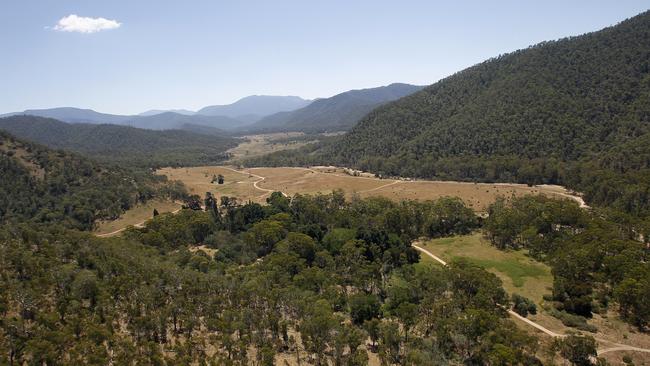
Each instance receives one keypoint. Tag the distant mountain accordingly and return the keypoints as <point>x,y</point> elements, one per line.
<point>340,112</point>
<point>74,115</point>
<point>173,120</point>
<point>153,112</point>
<point>122,143</point>
<point>245,111</point>
<point>255,106</point>
<point>158,121</point>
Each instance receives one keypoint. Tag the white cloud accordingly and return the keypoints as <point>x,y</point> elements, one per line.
<point>74,23</point>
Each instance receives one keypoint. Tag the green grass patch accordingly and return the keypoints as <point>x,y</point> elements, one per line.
<point>519,272</point>
<point>514,269</point>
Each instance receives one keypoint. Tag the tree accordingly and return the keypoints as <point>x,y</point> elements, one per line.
<point>577,349</point>
<point>364,307</point>
<point>408,315</point>
<point>523,305</point>
<point>372,328</point>
<point>193,202</point>
<point>220,179</point>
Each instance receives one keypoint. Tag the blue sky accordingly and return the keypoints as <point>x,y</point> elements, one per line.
<point>189,54</point>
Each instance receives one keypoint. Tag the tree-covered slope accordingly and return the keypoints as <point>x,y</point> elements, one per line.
<point>524,116</point>
<point>336,113</point>
<point>40,185</point>
<point>121,143</point>
<point>564,99</point>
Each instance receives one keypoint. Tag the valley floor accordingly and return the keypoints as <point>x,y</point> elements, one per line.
<point>256,183</point>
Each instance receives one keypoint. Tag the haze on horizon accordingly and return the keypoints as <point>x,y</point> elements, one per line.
<point>125,57</point>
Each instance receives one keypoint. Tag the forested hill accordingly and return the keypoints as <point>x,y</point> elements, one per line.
<point>122,144</point>
<point>337,113</point>
<point>524,116</point>
<point>40,185</point>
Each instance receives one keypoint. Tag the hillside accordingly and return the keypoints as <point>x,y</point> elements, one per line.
<point>122,143</point>
<point>337,113</point>
<point>557,112</point>
<point>255,107</point>
<point>40,185</point>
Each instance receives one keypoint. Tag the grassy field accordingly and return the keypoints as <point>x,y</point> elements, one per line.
<point>324,180</point>
<point>257,145</point>
<point>137,215</point>
<point>519,273</point>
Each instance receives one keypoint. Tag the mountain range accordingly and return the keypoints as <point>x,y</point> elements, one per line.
<point>337,113</point>
<point>252,114</point>
<point>244,111</point>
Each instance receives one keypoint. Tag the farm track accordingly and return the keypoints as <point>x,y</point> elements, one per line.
<point>139,224</point>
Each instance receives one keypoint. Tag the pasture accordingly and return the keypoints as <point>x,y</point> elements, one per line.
<point>136,215</point>
<point>257,145</point>
<point>247,184</point>
<point>519,273</point>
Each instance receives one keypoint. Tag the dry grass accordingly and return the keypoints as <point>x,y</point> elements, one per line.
<point>199,181</point>
<point>323,180</point>
<point>137,215</point>
<point>257,145</point>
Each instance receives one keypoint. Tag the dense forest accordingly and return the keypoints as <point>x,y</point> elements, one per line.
<point>40,185</point>
<point>321,276</point>
<point>574,112</point>
<point>123,144</point>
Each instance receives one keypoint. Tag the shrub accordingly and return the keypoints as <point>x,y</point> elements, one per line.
<point>523,306</point>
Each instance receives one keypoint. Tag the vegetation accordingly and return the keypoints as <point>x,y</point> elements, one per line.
<point>572,112</point>
<point>593,257</point>
<point>122,144</point>
<point>44,186</point>
<point>293,267</point>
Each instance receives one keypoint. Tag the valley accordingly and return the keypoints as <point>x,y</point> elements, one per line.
<point>244,185</point>
<point>325,187</point>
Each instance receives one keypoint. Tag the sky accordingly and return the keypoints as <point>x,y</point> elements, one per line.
<point>128,56</point>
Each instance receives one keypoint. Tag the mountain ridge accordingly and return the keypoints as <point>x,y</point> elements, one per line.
<point>336,113</point>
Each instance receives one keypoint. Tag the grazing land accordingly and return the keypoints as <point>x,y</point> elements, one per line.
<point>248,185</point>
<point>136,215</point>
<point>519,273</point>
<point>257,145</point>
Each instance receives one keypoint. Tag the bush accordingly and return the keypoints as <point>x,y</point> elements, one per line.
<point>574,321</point>
<point>364,307</point>
<point>523,306</point>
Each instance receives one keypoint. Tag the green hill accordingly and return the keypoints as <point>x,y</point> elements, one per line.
<point>40,185</point>
<point>574,111</point>
<point>122,144</point>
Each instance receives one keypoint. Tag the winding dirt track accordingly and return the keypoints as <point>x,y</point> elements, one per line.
<point>260,179</point>
<point>139,224</point>
<point>616,346</point>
